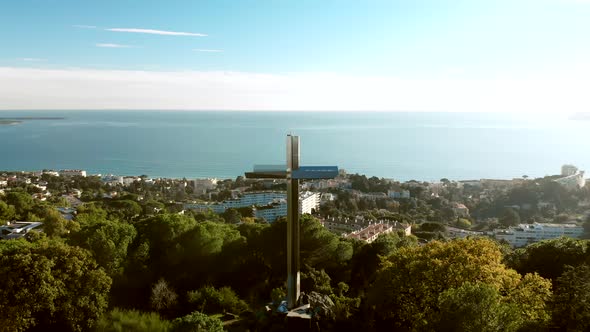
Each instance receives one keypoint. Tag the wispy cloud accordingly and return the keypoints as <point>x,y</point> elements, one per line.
<point>26,88</point>
<point>32,59</point>
<point>82,26</point>
<point>111,45</point>
<point>157,32</point>
<point>207,50</point>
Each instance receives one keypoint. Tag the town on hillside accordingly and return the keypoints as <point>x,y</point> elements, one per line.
<point>375,254</point>
<point>519,212</point>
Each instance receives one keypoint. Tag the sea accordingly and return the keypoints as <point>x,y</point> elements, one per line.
<point>224,144</point>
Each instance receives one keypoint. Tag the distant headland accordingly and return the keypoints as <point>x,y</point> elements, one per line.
<point>19,120</point>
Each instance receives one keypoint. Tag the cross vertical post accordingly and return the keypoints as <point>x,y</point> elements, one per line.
<point>292,172</point>
<point>293,224</point>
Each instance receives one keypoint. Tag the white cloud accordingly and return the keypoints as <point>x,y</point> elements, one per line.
<point>33,88</point>
<point>81,26</point>
<point>111,45</point>
<point>157,32</point>
<point>208,50</point>
<point>32,59</point>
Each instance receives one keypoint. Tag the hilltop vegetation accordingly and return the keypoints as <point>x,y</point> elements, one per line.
<point>131,264</point>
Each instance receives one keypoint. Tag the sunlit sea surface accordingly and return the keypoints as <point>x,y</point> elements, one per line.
<point>403,146</point>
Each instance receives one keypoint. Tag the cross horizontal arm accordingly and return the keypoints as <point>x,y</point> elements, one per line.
<point>315,172</point>
<point>266,175</point>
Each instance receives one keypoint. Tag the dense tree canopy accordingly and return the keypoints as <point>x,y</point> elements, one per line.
<point>475,307</point>
<point>571,310</point>
<point>108,241</point>
<point>550,257</point>
<point>48,283</point>
<point>406,289</point>
<point>169,269</point>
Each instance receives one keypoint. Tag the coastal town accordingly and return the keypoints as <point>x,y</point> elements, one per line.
<point>518,212</point>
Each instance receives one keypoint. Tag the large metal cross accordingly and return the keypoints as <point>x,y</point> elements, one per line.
<point>293,173</point>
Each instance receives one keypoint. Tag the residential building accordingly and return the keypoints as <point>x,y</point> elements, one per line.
<point>201,186</point>
<point>344,225</point>
<point>72,172</point>
<point>573,182</point>
<point>327,197</point>
<point>524,234</point>
<point>67,212</point>
<point>398,194</point>
<point>461,210</point>
<point>112,180</point>
<point>454,232</point>
<point>347,225</point>
<point>52,173</point>
<point>18,229</point>
<point>309,202</point>
<point>371,196</point>
<point>472,183</point>
<point>373,230</point>
<point>128,180</point>
<point>271,212</point>
<point>567,170</point>
<point>269,204</point>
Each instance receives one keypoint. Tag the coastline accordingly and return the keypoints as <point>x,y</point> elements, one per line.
<point>9,122</point>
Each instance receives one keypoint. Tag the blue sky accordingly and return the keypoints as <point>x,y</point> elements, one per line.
<point>257,53</point>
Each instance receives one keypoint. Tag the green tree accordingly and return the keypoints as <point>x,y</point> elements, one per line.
<point>463,223</point>
<point>549,257</point>
<point>571,310</point>
<point>313,280</point>
<point>118,320</point>
<point>7,212</point>
<point>125,209</point>
<point>210,300</point>
<point>475,308</point>
<point>231,216</point>
<point>50,285</point>
<point>510,218</point>
<point>319,247</point>
<point>108,241</point>
<point>54,225</point>
<point>345,308</point>
<point>197,322</point>
<point>406,289</point>
<point>22,202</point>
<point>531,297</point>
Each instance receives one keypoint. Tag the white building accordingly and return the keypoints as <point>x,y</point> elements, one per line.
<point>462,233</point>
<point>572,182</point>
<point>72,172</point>
<point>52,173</point>
<point>271,212</point>
<point>201,186</point>
<point>264,198</point>
<point>309,202</point>
<point>372,232</point>
<point>128,180</point>
<point>112,180</point>
<point>269,204</point>
<point>567,170</point>
<point>524,234</point>
<point>327,197</point>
